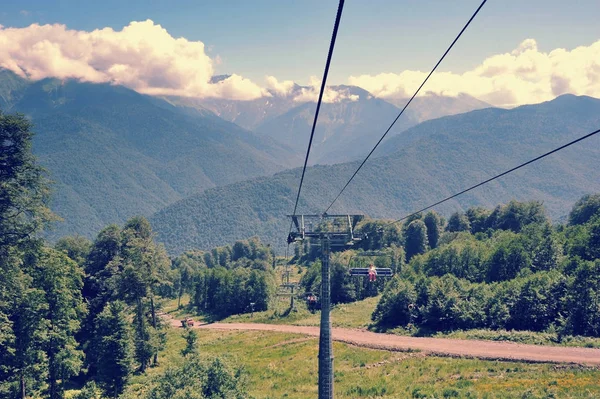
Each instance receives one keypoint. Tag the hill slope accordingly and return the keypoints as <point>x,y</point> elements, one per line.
<point>344,128</point>
<point>426,163</point>
<point>114,153</point>
<point>355,120</point>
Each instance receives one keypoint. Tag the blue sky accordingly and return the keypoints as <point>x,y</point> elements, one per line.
<point>289,39</point>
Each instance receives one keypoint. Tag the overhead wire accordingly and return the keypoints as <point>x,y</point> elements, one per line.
<point>494,178</point>
<point>407,104</point>
<point>323,82</point>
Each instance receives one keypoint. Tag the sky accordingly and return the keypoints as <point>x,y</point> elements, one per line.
<point>514,52</point>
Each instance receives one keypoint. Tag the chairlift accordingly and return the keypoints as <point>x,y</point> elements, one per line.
<point>312,301</point>
<point>372,272</point>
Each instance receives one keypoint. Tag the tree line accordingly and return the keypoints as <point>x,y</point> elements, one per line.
<point>503,269</point>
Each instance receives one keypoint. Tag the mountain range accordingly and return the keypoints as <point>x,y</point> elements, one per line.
<point>114,153</point>
<point>353,120</point>
<point>204,181</point>
<point>414,169</point>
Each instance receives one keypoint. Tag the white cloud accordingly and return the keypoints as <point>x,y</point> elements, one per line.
<point>524,76</point>
<point>331,95</point>
<point>142,56</point>
<point>283,88</point>
<point>25,13</point>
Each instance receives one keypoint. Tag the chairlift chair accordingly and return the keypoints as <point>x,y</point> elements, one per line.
<point>364,271</point>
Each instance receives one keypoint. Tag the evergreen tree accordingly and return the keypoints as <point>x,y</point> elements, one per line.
<point>23,364</point>
<point>145,267</point>
<point>102,267</point>
<point>191,342</point>
<point>24,194</point>
<point>25,190</point>
<point>114,348</point>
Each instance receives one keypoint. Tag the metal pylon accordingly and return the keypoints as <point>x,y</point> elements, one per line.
<point>341,234</point>
<point>325,345</point>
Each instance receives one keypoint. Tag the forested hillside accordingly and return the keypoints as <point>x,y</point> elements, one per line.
<point>424,164</point>
<point>114,153</point>
<point>352,121</point>
<point>81,312</point>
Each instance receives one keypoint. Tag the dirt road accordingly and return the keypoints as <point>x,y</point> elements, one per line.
<point>436,346</point>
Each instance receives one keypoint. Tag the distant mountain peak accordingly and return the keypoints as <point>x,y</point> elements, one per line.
<point>219,78</point>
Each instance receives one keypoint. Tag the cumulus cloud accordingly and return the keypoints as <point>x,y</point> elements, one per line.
<point>524,76</point>
<point>331,95</point>
<point>282,88</point>
<point>142,56</point>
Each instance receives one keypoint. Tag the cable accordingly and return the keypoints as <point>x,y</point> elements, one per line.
<point>495,177</point>
<point>312,133</point>
<point>408,103</point>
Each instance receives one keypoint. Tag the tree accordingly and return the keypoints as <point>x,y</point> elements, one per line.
<point>145,266</point>
<point>584,300</point>
<point>77,248</point>
<point>114,348</point>
<point>397,304</point>
<point>540,301</point>
<point>458,222</point>
<point>61,281</point>
<point>508,259</point>
<point>24,192</point>
<point>415,239</point>
<point>195,379</point>
<point>583,210</point>
<point>516,215</point>
<point>545,248</point>
<point>191,342</point>
<point>102,265</point>
<point>477,219</point>
<point>593,247</point>
<point>89,391</point>
<point>434,223</point>
<point>23,362</point>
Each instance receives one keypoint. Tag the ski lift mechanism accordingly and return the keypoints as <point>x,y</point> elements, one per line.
<point>345,235</point>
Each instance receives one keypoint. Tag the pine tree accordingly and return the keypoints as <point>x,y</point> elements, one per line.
<point>145,266</point>
<point>113,345</point>
<point>191,342</point>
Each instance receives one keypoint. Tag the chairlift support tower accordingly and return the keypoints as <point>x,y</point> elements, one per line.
<point>340,234</point>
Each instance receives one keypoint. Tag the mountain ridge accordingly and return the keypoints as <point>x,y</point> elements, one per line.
<point>445,156</point>
<point>114,153</point>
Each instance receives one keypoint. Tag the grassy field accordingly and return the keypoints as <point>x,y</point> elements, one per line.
<point>285,366</point>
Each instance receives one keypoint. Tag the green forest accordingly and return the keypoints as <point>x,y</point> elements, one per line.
<point>83,313</point>
<point>86,315</point>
